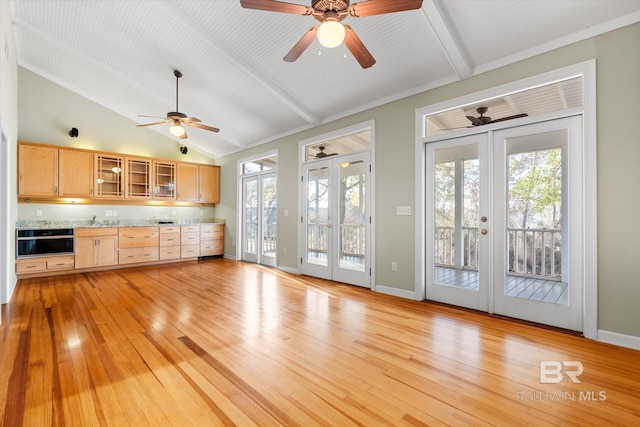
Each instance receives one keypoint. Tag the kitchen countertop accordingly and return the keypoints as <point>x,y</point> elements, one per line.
<point>22,225</point>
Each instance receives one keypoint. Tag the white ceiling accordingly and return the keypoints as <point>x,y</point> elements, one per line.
<point>121,55</point>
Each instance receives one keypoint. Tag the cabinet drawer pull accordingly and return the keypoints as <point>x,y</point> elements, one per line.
<point>31,266</point>
<point>131,256</point>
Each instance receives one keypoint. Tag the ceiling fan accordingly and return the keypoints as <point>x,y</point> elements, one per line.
<point>484,120</point>
<point>178,119</point>
<point>330,13</point>
<point>321,154</point>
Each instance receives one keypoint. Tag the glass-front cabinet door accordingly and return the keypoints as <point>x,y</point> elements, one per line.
<point>138,172</point>
<point>109,176</point>
<point>164,180</point>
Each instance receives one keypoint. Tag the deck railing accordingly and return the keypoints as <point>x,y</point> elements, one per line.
<point>352,239</point>
<point>532,251</point>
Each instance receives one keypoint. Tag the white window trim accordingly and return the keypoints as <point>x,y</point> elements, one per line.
<point>239,207</point>
<point>587,70</point>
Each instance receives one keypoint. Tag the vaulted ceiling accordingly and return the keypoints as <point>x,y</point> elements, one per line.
<point>121,55</point>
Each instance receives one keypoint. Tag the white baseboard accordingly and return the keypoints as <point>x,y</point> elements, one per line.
<point>231,257</point>
<point>395,292</point>
<point>288,269</point>
<point>628,341</point>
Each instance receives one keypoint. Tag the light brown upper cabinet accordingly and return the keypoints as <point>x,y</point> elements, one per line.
<point>138,178</point>
<point>109,176</point>
<point>198,183</point>
<point>188,182</point>
<point>209,183</point>
<point>37,171</point>
<point>75,174</point>
<point>164,180</point>
<point>49,173</point>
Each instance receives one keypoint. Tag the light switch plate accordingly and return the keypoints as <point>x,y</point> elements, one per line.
<point>403,210</point>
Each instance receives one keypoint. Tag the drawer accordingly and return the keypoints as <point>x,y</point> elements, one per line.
<point>170,239</point>
<point>96,231</point>
<point>189,238</point>
<point>190,228</point>
<point>31,265</point>
<point>169,229</point>
<point>138,237</point>
<point>133,255</point>
<point>211,231</point>
<point>212,247</point>
<point>61,263</point>
<point>169,252</point>
<point>190,251</point>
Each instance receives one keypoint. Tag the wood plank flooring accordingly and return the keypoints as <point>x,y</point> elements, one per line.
<point>220,342</point>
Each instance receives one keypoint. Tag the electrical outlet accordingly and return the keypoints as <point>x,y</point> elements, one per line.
<point>115,213</point>
<point>284,250</point>
<point>108,213</point>
<point>38,212</point>
<point>286,212</point>
<point>394,266</point>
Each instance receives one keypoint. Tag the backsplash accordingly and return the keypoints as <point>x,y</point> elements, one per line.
<point>42,215</point>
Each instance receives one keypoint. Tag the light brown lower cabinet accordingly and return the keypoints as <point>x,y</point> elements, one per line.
<point>211,239</point>
<point>169,242</point>
<point>138,244</point>
<point>189,241</point>
<point>43,264</point>
<point>96,247</point>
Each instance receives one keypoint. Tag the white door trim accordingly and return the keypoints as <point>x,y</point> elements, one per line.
<point>588,70</point>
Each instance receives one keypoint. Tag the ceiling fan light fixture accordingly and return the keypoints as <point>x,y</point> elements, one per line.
<point>177,129</point>
<point>331,34</point>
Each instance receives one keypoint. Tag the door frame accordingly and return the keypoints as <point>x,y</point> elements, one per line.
<point>240,195</point>
<point>587,70</point>
<point>259,256</point>
<point>332,270</point>
<point>369,124</point>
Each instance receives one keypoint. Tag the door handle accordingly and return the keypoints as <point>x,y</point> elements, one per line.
<point>328,225</point>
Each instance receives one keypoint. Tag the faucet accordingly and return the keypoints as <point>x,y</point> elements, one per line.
<point>93,220</point>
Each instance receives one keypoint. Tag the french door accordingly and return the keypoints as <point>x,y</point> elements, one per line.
<point>504,223</point>
<point>259,217</point>
<point>335,222</point>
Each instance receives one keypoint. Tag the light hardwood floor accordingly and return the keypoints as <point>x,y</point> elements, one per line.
<point>220,342</point>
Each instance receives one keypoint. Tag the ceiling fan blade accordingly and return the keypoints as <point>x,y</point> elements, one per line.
<point>475,121</point>
<point>357,48</point>
<point>378,7</point>
<point>151,117</point>
<point>276,6</point>
<point>190,119</point>
<point>151,124</point>
<point>302,45</point>
<point>201,126</point>
<point>515,116</point>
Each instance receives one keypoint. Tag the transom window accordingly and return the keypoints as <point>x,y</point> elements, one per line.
<point>557,96</point>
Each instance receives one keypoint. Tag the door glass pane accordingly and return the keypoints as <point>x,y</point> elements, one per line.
<point>352,216</point>
<point>269,216</point>
<point>456,209</point>
<point>250,215</point>
<point>535,243</point>
<point>318,219</point>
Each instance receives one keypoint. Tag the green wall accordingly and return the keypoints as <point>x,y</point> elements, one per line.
<point>618,76</point>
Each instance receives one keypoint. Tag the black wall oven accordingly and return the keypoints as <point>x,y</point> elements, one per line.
<point>44,242</point>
